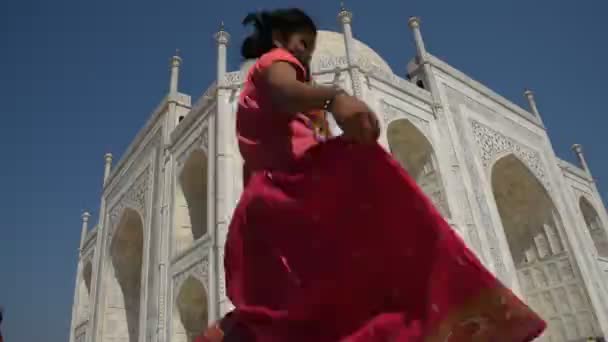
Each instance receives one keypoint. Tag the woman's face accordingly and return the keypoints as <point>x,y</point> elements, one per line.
<point>301,45</point>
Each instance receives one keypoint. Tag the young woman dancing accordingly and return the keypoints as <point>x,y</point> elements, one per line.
<point>332,240</point>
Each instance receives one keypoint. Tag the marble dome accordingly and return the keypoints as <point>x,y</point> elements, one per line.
<point>330,45</point>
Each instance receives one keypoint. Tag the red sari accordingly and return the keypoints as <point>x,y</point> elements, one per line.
<point>333,241</point>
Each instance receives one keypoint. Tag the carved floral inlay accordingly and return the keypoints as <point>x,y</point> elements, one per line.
<point>492,144</point>
<point>233,78</point>
<point>391,113</point>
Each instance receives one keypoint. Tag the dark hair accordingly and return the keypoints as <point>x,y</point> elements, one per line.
<point>286,21</point>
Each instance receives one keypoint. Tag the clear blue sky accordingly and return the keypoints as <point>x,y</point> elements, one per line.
<point>79,79</point>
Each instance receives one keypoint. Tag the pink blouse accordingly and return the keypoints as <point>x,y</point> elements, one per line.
<point>269,139</point>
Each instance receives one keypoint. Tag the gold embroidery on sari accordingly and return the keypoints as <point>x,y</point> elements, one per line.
<point>493,315</point>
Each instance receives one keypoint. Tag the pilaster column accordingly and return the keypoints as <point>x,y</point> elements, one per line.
<point>222,39</point>
<point>223,182</point>
<point>107,167</point>
<point>176,62</point>
<point>172,118</point>
<point>76,302</point>
<point>97,308</point>
<point>345,19</point>
<point>421,53</point>
<point>414,24</point>
<point>85,228</point>
<point>578,150</point>
<point>529,95</point>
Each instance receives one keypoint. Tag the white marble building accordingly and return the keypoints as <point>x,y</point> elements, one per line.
<point>151,268</point>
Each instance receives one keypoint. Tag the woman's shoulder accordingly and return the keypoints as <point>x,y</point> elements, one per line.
<point>280,55</point>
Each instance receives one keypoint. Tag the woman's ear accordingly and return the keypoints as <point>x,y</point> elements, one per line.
<point>277,39</point>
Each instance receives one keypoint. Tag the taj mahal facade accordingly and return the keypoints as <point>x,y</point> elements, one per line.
<point>151,268</point>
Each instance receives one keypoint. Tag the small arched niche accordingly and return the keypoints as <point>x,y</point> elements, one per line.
<point>190,220</point>
<point>190,316</point>
<point>595,227</point>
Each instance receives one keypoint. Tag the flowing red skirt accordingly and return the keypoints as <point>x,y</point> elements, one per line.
<point>346,247</point>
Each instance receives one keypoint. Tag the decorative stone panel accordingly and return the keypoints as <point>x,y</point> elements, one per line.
<point>198,270</point>
<point>134,198</point>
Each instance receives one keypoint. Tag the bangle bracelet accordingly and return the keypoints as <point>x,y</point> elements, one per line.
<point>329,102</point>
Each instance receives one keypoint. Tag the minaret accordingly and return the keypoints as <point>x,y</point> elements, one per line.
<point>578,150</point>
<point>85,228</point>
<point>221,177</point>
<point>345,18</point>
<point>108,167</point>
<point>529,94</point>
<point>176,62</point>
<point>99,255</point>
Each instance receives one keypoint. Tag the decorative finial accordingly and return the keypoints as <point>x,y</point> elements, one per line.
<point>85,216</point>
<point>578,150</point>
<point>222,37</point>
<point>108,157</point>
<point>529,95</point>
<point>414,22</point>
<point>345,15</point>
<point>176,59</point>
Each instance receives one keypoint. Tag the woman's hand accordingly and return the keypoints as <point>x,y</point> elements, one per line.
<point>356,119</point>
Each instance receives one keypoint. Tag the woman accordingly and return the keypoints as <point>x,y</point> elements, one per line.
<point>1,317</point>
<point>332,240</point>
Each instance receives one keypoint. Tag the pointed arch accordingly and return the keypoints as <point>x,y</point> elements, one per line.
<point>416,155</point>
<point>525,209</point>
<point>190,316</point>
<point>595,226</point>
<point>124,288</point>
<point>190,219</point>
<point>532,227</point>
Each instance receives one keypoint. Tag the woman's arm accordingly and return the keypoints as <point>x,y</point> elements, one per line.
<point>289,94</point>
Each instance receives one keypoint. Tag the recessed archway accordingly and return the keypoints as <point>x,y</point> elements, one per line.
<point>191,201</point>
<point>190,315</point>
<point>124,288</point>
<point>596,229</point>
<point>550,279</point>
<point>415,154</point>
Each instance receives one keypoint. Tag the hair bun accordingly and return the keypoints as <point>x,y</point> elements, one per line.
<point>251,47</point>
